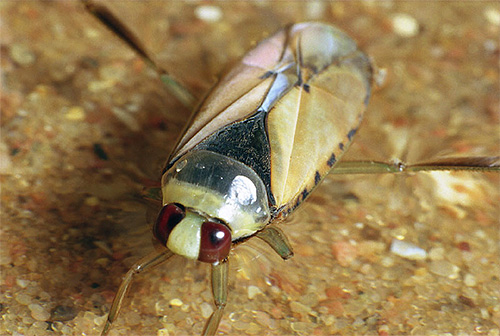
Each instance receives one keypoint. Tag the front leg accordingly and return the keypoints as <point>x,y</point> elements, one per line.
<point>153,259</point>
<point>277,240</point>
<point>219,291</point>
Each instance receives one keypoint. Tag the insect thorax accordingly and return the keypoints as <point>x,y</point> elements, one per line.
<point>218,187</point>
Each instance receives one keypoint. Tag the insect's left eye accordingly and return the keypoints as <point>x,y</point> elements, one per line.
<point>169,216</point>
<point>215,242</point>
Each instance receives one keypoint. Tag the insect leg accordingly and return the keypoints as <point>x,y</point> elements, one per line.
<point>474,163</point>
<point>479,163</point>
<point>219,291</point>
<point>111,21</point>
<point>153,259</point>
<point>277,240</point>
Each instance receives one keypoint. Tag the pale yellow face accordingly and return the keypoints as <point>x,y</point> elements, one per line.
<point>185,238</point>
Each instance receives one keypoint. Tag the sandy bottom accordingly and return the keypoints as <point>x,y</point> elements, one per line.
<point>86,124</point>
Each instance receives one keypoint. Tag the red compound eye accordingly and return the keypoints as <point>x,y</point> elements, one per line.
<point>169,216</point>
<point>215,242</point>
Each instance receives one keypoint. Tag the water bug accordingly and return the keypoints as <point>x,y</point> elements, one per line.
<point>258,144</point>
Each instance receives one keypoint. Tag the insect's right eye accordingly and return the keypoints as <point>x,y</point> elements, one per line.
<point>169,216</point>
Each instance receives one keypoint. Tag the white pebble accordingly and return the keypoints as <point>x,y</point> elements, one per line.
<point>176,302</point>
<point>405,25</point>
<point>492,15</point>
<point>484,313</point>
<point>407,250</point>
<point>470,280</point>
<point>208,13</point>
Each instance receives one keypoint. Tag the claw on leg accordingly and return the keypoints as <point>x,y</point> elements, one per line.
<point>277,240</point>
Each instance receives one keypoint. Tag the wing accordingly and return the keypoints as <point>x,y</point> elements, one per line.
<point>313,124</point>
<point>236,96</point>
<point>288,110</point>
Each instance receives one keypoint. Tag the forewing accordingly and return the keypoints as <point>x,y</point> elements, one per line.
<point>311,126</point>
<point>237,96</point>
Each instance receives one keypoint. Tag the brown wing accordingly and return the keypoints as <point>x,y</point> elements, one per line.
<point>236,96</point>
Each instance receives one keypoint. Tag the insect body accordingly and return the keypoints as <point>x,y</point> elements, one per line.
<point>254,151</point>
<point>258,144</point>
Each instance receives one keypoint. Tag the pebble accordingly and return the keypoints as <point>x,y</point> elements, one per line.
<point>208,13</point>
<point>383,329</point>
<point>176,302</point>
<point>239,325</point>
<point>75,113</point>
<point>309,299</point>
<point>299,308</point>
<point>329,320</point>
<point>344,252</point>
<point>454,190</point>
<point>470,280</point>
<point>387,262</point>
<point>494,332</point>
<point>5,169</point>
<point>22,54</point>
<point>366,269</point>
<point>484,313</point>
<point>492,15</point>
<point>302,327</point>
<point>407,250</point>
<point>444,268</point>
<point>23,298</point>
<point>253,291</point>
<point>162,332</point>
<point>315,9</point>
<point>126,118</point>
<point>161,308</point>
<point>265,320</point>
<point>63,313</point>
<point>436,253</point>
<point>253,328</point>
<point>22,283</point>
<point>206,310</point>
<point>405,25</point>
<point>38,312</point>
